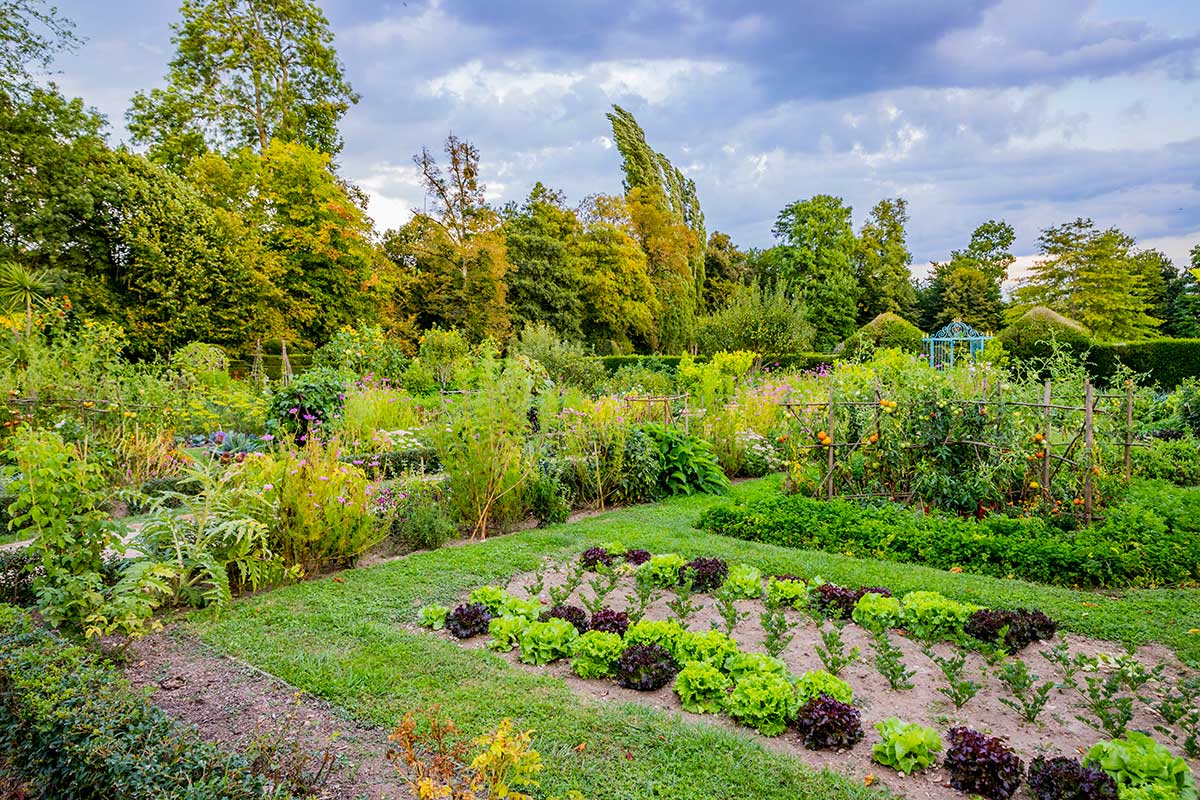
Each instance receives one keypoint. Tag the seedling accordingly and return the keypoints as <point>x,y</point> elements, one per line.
<point>1029,696</point>
<point>833,655</point>
<point>959,689</point>
<point>777,627</point>
<point>889,664</point>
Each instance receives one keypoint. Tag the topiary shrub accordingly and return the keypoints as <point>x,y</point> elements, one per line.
<point>1030,335</point>
<point>886,331</point>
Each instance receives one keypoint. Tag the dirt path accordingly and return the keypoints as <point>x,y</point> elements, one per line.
<point>233,704</point>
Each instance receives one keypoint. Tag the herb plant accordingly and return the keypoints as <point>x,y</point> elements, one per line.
<point>602,586</point>
<point>682,605</point>
<point>833,654</point>
<point>888,662</point>
<point>958,689</point>
<point>644,593</point>
<point>906,746</point>
<point>1029,697</point>
<point>645,667</point>
<point>1111,712</point>
<point>778,628</point>
<point>726,604</point>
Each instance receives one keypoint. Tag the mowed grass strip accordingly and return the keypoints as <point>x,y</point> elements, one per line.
<point>348,639</point>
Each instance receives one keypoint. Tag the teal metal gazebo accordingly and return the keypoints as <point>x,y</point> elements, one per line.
<point>956,340</point>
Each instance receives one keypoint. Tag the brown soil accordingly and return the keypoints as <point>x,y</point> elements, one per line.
<point>1057,731</point>
<point>233,704</point>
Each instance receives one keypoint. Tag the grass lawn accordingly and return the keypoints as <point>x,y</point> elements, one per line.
<point>342,639</point>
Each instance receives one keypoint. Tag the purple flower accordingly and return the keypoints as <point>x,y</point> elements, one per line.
<point>293,411</point>
<point>266,437</point>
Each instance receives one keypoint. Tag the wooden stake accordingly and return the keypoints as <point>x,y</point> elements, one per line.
<point>1128,429</point>
<point>831,448</point>
<point>1046,431</point>
<point>1088,441</point>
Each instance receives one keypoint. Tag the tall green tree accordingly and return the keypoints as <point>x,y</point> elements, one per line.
<point>544,283</point>
<point>956,291</point>
<point>1174,293</point>
<point>668,244</point>
<point>967,294</point>
<point>31,33</point>
<point>245,72</point>
<point>657,182</point>
<point>816,262</point>
<point>1093,276</point>
<point>726,268</point>
<point>882,262</point>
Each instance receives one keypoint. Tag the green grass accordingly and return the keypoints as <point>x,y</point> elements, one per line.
<point>343,640</point>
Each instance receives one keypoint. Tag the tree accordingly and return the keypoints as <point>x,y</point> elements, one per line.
<point>619,299</point>
<point>725,269</point>
<point>317,237</point>
<point>544,284</point>
<point>31,33</point>
<point>245,72</point>
<point>989,253</point>
<point>816,262</point>
<point>1174,294</point>
<point>652,180</point>
<point>668,244</point>
<point>882,262</point>
<point>1093,276</point>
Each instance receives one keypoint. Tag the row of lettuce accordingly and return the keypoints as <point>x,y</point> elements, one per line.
<point>711,674</point>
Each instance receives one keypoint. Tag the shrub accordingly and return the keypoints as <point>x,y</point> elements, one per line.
<point>610,621</point>
<point>71,726</point>
<point>1029,337</point>
<point>764,701</point>
<point>645,667</point>
<point>739,665</point>
<point>567,363</point>
<point>982,764</point>
<point>1023,625</point>
<point>758,320</point>
<point>595,654</point>
<point>364,351</point>
<point>433,617</point>
<point>18,570</point>
<point>467,620</point>
<point>549,498</point>
<point>711,647</point>
<point>788,591</point>
<point>818,682</point>
<point>824,724</point>
<point>702,688</point>
<point>572,614</point>
<point>1066,779</point>
<point>886,331</point>
<point>744,582</point>
<point>417,513</point>
<point>506,632</point>
<point>708,573</point>
<point>662,571</point>
<point>1138,763</point>
<point>906,746</point>
<point>877,612</point>
<point>543,642</point>
<point>932,616</point>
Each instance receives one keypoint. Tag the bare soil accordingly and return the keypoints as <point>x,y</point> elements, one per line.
<point>234,704</point>
<point>1057,732</point>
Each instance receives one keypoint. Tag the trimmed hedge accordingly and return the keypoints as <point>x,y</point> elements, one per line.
<point>1151,541</point>
<point>72,727</point>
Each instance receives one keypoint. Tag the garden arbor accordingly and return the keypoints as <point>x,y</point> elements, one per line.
<point>956,339</point>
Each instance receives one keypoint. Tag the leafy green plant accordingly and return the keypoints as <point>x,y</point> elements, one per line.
<point>877,612</point>
<point>645,667</point>
<point>602,586</point>
<point>662,570</point>
<point>1111,712</point>
<point>739,665</point>
<point>982,764</point>
<point>433,617</point>
<point>1141,765</point>
<point>744,582</point>
<point>543,642</point>
<point>932,617</point>
<point>688,463</point>
<point>958,689</point>
<point>906,746</point>
<point>1179,707</point>
<point>492,597</point>
<point>468,620</point>
<point>666,633</point>
<point>513,606</point>
<point>833,654</point>
<point>308,405</point>
<point>561,594</point>
<point>538,580</point>
<point>825,723</point>
<point>682,605</point>
<point>1068,665</point>
<point>595,654</point>
<point>506,632</point>
<point>644,593</point>
<point>764,701</point>
<point>710,647</point>
<point>702,688</point>
<point>889,663</point>
<point>817,682</point>
<point>1029,697</point>
<point>788,591</point>
<point>778,627</point>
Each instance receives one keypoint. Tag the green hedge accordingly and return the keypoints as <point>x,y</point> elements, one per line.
<point>72,727</point>
<point>1166,362</point>
<point>671,363</point>
<point>1148,541</point>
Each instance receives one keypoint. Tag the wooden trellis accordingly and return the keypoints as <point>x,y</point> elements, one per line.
<point>654,407</point>
<point>1076,448</point>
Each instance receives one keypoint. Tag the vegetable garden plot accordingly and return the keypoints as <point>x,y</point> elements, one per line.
<point>615,630</point>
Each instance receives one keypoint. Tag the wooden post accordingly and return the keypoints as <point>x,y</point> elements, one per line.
<point>1088,402</point>
<point>830,447</point>
<point>1046,431</point>
<point>1128,429</point>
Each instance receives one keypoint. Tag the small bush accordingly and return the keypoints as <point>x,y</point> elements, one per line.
<point>764,701</point>
<point>645,667</point>
<point>983,765</point>
<point>18,570</point>
<point>702,688</point>
<point>825,724</point>
<point>906,746</point>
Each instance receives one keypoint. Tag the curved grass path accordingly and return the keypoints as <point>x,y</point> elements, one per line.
<point>344,638</point>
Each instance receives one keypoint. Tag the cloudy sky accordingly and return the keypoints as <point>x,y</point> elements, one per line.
<point>1034,111</point>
